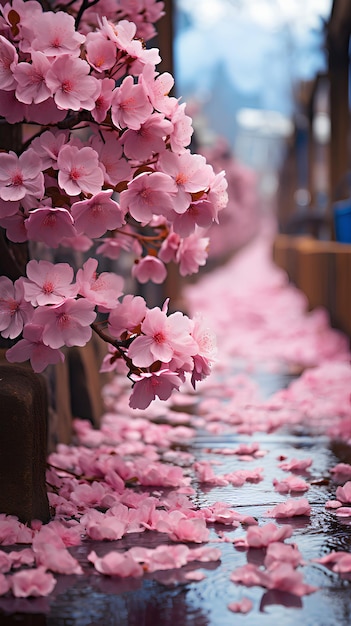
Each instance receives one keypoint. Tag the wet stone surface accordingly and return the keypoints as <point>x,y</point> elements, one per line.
<point>168,598</point>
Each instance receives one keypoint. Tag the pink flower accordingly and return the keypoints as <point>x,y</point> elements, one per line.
<point>50,225</point>
<point>15,227</point>
<point>197,214</point>
<point>48,146</point>
<point>8,208</point>
<point>290,508</point>
<point>163,336</point>
<point>20,176</point>
<point>242,606</point>
<point>48,283</point>
<point>4,584</point>
<point>103,100</point>
<point>112,161</point>
<point>101,52</point>
<point>151,384</point>
<point>149,268</point>
<point>55,35</point>
<point>127,316</point>
<point>191,254</point>
<point>249,575</point>
<point>262,536</point>
<point>103,289</point>
<point>32,348</point>
<point>182,132</point>
<point>15,312</point>
<point>191,174</point>
<point>295,465</point>
<point>32,582</point>
<point>286,553</point>
<point>79,170</point>
<point>149,194</point>
<point>73,88</point>
<point>130,105</point>
<point>56,559</point>
<point>31,77</point>
<point>95,216</point>
<point>8,62</point>
<point>343,493</point>
<point>180,528</point>
<point>67,323</point>
<point>116,564</point>
<point>291,483</point>
<point>158,87</point>
<point>108,528</point>
<point>148,139</point>
<point>284,577</point>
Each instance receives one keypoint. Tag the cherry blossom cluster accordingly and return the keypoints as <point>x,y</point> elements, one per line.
<point>106,170</point>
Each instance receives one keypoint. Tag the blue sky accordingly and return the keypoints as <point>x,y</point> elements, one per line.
<point>266,46</point>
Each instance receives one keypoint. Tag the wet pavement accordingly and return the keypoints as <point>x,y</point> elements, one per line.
<point>168,597</point>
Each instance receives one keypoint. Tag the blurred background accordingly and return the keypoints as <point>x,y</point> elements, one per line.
<point>267,85</point>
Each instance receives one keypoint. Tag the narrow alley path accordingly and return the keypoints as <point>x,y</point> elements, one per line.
<point>231,505</point>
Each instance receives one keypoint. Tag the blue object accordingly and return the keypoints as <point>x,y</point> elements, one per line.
<point>342,220</point>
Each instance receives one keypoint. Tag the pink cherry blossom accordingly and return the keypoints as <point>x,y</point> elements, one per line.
<point>98,214</point>
<point>79,170</point>
<point>149,268</point>
<point>130,105</point>
<point>4,584</point>
<point>286,553</point>
<point>48,146</point>
<point>30,77</point>
<point>48,283</point>
<point>242,606</point>
<point>102,289</point>
<point>192,253</point>
<point>162,336</point>
<point>116,564</point>
<point>112,162</point>
<point>197,214</point>
<point>290,508</point>
<point>32,348</point>
<point>10,108</point>
<point>8,208</point>
<point>150,385</point>
<point>262,536</point>
<point>291,483</point>
<point>295,465</point>
<point>32,582</point>
<point>50,225</point>
<point>148,139</point>
<point>15,312</point>
<point>8,62</point>
<point>20,176</point>
<point>127,316</point>
<point>103,99</point>
<point>191,174</point>
<point>71,84</point>
<point>343,493</point>
<point>15,227</point>
<point>56,559</point>
<point>55,35</point>
<point>101,52</point>
<point>182,132</point>
<point>67,323</point>
<point>249,575</point>
<point>149,194</point>
<point>283,576</point>
<point>158,87</point>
